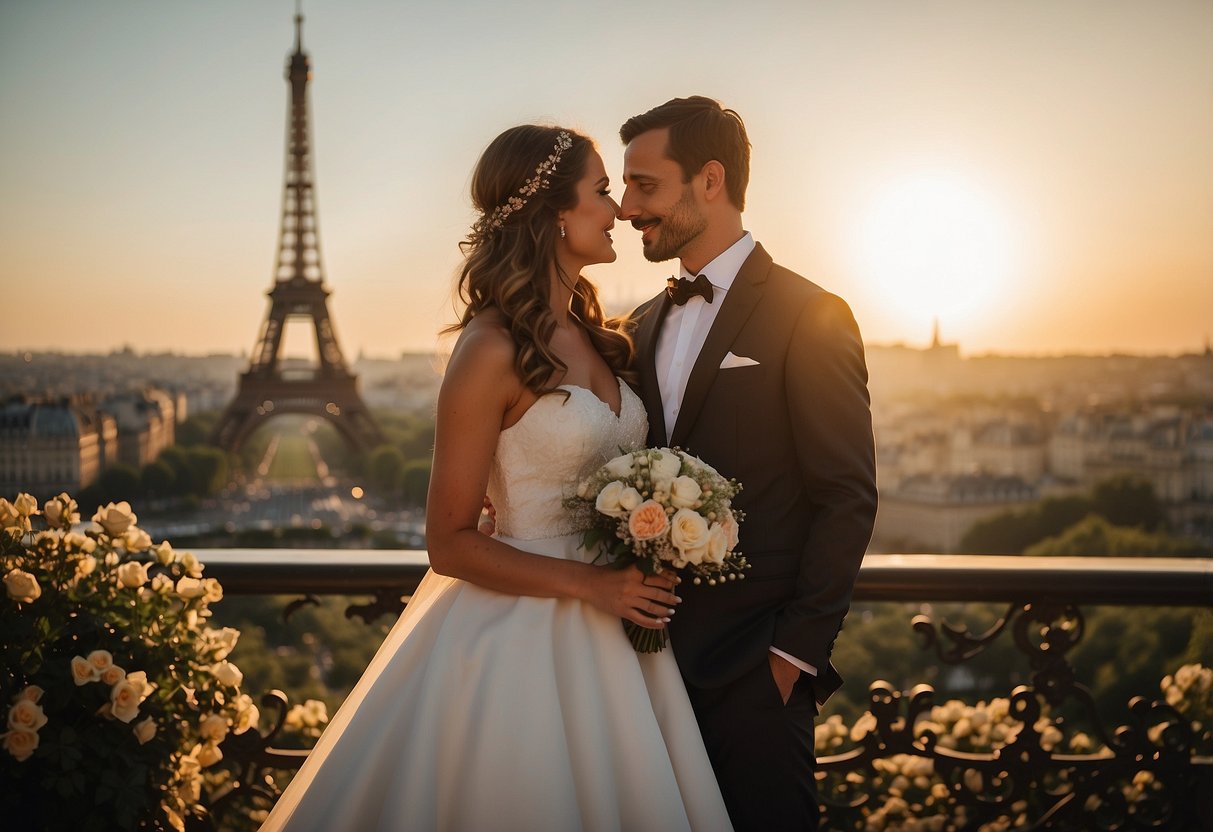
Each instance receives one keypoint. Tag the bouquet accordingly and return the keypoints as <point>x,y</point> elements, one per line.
<point>660,508</point>
<point>118,695</point>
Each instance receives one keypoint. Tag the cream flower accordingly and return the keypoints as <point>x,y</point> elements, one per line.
<point>664,466</point>
<point>164,553</point>
<point>112,675</point>
<point>115,518</point>
<point>688,531</point>
<point>144,730</point>
<point>74,541</point>
<point>26,715</point>
<point>26,505</point>
<point>207,754</point>
<point>226,673</point>
<point>608,501</point>
<point>83,672</point>
<point>102,660</point>
<point>220,642</point>
<point>124,700</point>
<point>21,586</point>
<point>731,529</point>
<point>21,744</point>
<point>188,588</point>
<point>31,692</point>
<point>213,727</point>
<point>11,518</point>
<point>630,499</point>
<point>191,565</point>
<point>212,590</point>
<point>620,467</point>
<point>684,492</point>
<point>162,584</point>
<point>718,545</point>
<point>247,714</point>
<point>61,512</point>
<point>136,540</point>
<point>132,574</point>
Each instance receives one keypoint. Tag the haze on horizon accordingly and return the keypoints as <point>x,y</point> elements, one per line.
<point>1036,176</point>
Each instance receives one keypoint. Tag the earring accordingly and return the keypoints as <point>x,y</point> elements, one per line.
<point>562,234</point>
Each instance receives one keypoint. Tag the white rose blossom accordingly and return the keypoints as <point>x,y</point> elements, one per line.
<point>61,512</point>
<point>684,492</point>
<point>21,744</point>
<point>115,518</point>
<point>688,532</point>
<point>226,673</point>
<point>608,499</point>
<point>22,586</point>
<point>630,498</point>
<point>132,574</point>
<point>621,467</point>
<point>144,730</point>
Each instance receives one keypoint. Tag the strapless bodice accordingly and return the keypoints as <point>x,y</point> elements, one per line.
<point>542,457</point>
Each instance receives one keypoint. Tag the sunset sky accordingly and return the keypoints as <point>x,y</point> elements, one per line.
<point>1038,175</point>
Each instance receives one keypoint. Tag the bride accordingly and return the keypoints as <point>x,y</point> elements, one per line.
<point>507,696</point>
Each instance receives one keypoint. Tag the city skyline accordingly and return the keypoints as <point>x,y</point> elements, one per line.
<point>1034,177</point>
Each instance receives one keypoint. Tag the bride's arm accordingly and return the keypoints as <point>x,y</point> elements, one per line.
<point>479,389</point>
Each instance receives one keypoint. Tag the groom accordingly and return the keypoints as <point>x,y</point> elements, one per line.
<point>761,373</point>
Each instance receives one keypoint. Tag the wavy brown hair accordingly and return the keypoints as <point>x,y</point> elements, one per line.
<point>508,268</point>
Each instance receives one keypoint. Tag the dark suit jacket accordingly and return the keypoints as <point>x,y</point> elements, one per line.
<point>796,431</point>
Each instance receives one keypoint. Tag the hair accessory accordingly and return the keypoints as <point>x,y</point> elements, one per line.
<point>540,180</point>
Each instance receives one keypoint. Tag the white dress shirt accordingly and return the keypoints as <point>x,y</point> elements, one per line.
<point>683,333</point>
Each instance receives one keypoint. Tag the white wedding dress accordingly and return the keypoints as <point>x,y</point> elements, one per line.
<point>484,712</point>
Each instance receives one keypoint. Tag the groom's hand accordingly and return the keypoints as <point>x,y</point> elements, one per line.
<point>785,674</point>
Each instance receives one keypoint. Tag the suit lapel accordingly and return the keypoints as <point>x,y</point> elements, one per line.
<point>739,302</point>
<point>646,356</point>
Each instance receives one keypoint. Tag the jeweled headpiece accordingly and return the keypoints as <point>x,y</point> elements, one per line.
<point>530,187</point>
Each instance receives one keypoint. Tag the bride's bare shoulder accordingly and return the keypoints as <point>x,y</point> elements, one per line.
<point>484,352</point>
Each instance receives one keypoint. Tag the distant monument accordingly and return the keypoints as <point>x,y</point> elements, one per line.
<point>267,389</point>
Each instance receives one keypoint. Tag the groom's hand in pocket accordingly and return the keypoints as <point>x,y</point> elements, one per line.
<point>785,674</point>
<point>647,600</point>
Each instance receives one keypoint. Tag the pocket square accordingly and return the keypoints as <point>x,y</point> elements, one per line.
<point>734,360</point>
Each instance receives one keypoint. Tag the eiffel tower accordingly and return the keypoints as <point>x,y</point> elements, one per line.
<point>267,388</point>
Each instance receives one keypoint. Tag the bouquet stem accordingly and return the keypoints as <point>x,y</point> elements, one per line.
<point>644,639</point>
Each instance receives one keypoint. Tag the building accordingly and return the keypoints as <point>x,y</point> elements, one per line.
<point>48,447</point>
<point>146,424</point>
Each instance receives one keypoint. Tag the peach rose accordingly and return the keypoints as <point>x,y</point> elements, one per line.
<point>648,521</point>
<point>32,692</point>
<point>112,675</point>
<point>718,544</point>
<point>124,700</point>
<point>20,744</point>
<point>102,660</point>
<point>731,529</point>
<point>26,715</point>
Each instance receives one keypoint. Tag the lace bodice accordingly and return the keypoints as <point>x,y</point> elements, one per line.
<point>541,458</point>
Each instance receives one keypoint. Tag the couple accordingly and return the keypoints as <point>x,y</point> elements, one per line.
<point>508,697</point>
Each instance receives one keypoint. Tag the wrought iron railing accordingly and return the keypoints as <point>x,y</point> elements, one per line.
<point>1146,774</point>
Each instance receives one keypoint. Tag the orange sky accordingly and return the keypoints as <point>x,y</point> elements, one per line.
<point>1036,175</point>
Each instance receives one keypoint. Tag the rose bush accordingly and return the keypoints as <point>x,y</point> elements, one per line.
<point>117,694</point>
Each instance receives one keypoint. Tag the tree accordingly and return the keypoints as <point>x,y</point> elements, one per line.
<point>157,479</point>
<point>1095,535</point>
<point>1129,500</point>
<point>415,481</point>
<point>384,468</point>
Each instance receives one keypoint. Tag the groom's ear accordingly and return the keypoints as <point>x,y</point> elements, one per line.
<point>713,180</point>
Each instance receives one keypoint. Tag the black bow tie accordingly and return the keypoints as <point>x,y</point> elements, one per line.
<point>681,290</point>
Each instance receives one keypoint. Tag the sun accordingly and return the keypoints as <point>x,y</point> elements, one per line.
<point>933,246</point>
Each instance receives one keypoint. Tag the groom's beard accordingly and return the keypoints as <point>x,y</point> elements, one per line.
<point>682,225</point>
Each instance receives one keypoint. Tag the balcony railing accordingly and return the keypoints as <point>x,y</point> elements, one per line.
<point>1146,774</point>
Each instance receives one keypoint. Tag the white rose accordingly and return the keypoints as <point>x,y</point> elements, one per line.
<point>213,727</point>
<point>315,712</point>
<point>247,715</point>
<point>101,660</point>
<point>22,586</point>
<point>630,498</point>
<point>85,566</point>
<point>26,715</point>
<point>115,518</point>
<point>79,543</point>
<point>191,565</point>
<point>718,544</point>
<point>83,672</point>
<point>61,512</point>
<point>144,730</point>
<point>124,700</point>
<point>32,692</point>
<point>136,540</point>
<point>164,553</point>
<point>688,531</point>
<point>207,754</point>
<point>212,590</point>
<point>684,492</point>
<point>226,673</point>
<point>222,642</point>
<point>112,675</point>
<point>162,584</point>
<point>189,588</point>
<point>10,518</point>
<point>608,499</point>
<point>664,466</point>
<point>21,744</point>
<point>132,574</point>
<point>620,467</point>
<point>25,504</point>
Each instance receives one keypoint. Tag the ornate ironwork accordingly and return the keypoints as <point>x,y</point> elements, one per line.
<point>1141,774</point>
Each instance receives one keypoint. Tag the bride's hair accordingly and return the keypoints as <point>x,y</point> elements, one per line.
<point>511,248</point>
